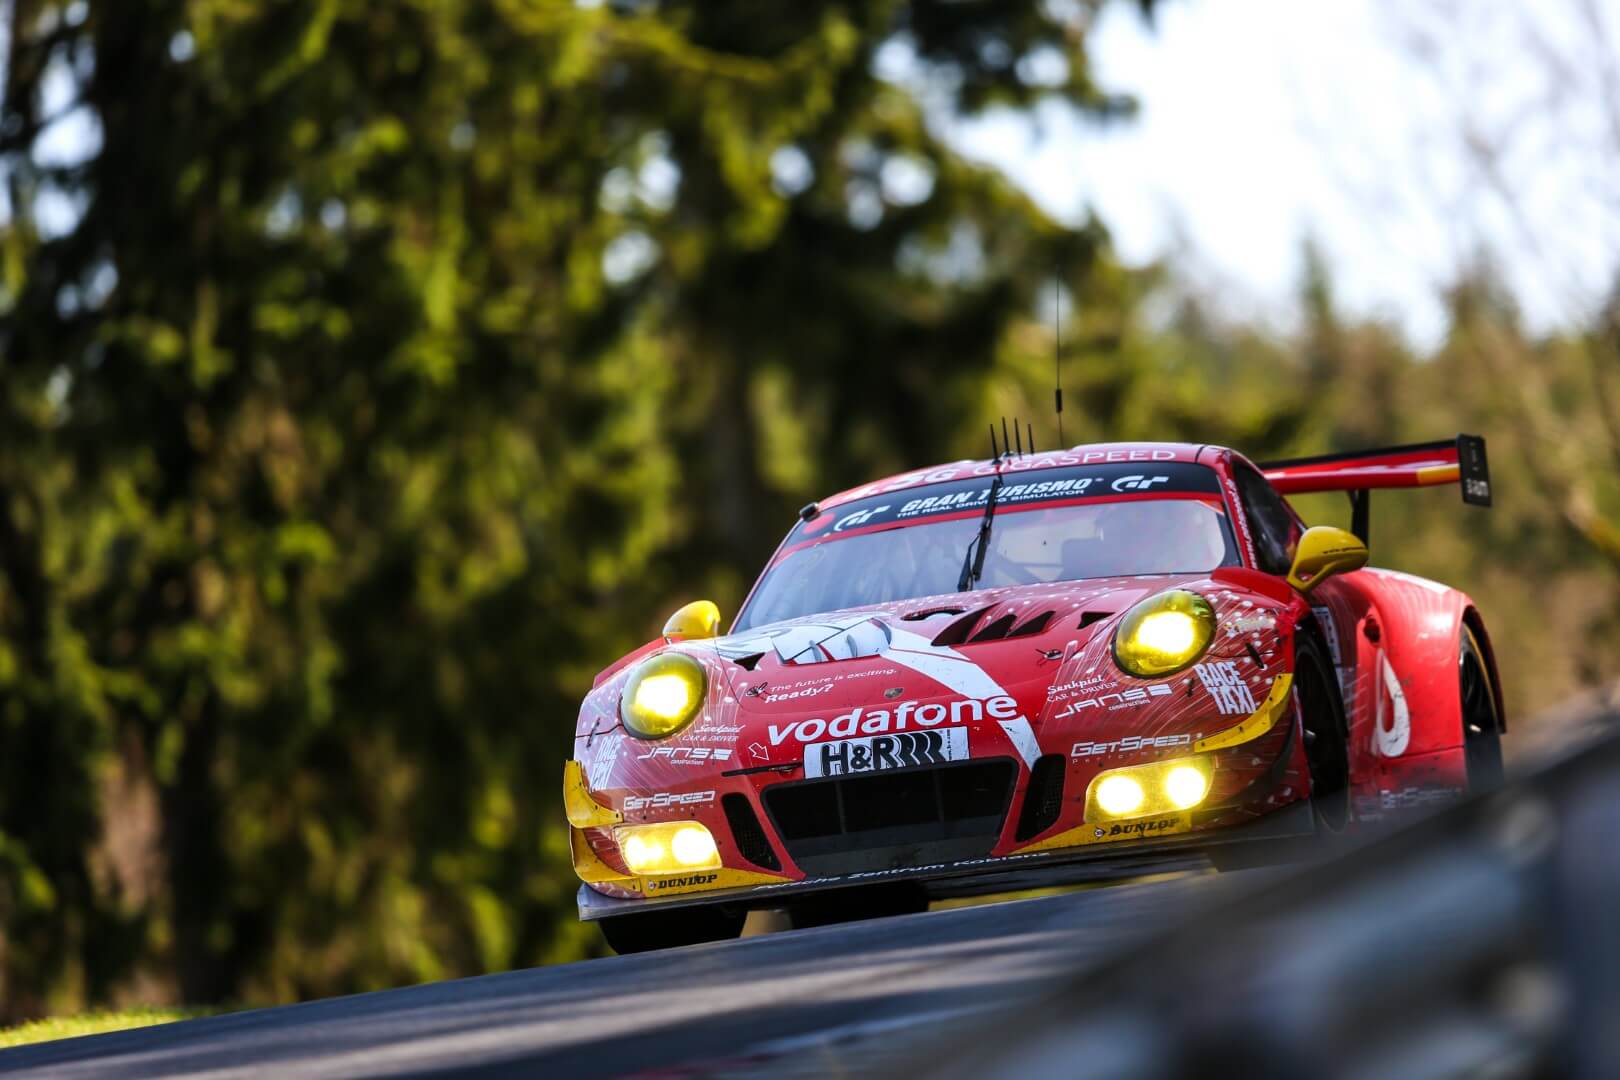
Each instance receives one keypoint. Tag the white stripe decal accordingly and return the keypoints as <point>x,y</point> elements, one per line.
<point>945,666</point>
<point>1023,738</point>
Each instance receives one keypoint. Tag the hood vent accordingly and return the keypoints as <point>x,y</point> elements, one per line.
<point>961,632</point>
<point>957,633</point>
<point>1089,617</point>
<point>929,613</point>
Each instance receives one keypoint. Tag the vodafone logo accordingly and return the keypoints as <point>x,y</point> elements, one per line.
<point>905,716</point>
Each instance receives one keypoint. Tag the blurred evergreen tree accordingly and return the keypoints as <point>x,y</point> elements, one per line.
<point>376,371</point>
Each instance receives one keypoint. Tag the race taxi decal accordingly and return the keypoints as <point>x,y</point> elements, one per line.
<point>1226,687</point>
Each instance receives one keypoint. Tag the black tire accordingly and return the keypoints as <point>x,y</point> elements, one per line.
<point>1481,716</point>
<point>852,905</point>
<point>1327,750</point>
<point>644,932</point>
<point>1327,743</point>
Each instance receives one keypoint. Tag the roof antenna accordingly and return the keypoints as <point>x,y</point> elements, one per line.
<point>1057,355</point>
<point>1019,434</point>
<point>994,452</point>
<point>1006,443</point>
<point>1031,428</point>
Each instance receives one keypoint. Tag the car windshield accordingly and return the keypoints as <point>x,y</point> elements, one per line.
<point>1065,525</point>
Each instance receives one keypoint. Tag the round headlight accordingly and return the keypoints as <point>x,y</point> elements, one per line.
<point>1164,633</point>
<point>662,696</point>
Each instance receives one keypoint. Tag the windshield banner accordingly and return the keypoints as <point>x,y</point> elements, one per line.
<point>1045,485</point>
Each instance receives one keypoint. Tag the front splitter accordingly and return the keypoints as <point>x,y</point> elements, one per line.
<point>990,874</point>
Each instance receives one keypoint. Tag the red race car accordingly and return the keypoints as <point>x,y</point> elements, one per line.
<point>1029,670</point>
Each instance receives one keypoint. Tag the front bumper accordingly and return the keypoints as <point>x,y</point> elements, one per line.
<point>990,874</point>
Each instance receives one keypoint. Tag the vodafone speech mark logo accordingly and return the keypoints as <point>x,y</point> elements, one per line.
<point>906,715</point>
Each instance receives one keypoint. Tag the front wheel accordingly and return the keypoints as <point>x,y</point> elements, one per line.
<point>1322,723</point>
<point>1319,711</point>
<point>646,931</point>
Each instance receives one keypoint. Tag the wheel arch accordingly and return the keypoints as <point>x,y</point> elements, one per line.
<point>1309,625</point>
<point>1474,621</point>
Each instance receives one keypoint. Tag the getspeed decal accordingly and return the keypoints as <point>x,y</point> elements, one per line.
<point>663,800</point>
<point>1129,744</point>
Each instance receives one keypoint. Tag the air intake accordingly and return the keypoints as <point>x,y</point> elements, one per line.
<point>1043,799</point>
<point>752,844</point>
<point>903,817</point>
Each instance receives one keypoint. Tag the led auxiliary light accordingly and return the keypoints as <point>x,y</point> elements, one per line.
<point>1119,795</point>
<point>669,847</point>
<point>1163,634</point>
<point>1185,786</point>
<point>1159,787</point>
<point>662,696</point>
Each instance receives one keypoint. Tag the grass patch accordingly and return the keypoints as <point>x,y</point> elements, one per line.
<point>66,1027</point>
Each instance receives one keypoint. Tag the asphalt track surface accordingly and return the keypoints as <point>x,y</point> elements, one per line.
<point>851,998</point>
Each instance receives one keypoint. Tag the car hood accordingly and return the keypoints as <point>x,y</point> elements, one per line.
<point>1008,663</point>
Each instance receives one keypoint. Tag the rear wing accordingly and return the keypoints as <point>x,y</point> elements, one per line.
<point>1458,461</point>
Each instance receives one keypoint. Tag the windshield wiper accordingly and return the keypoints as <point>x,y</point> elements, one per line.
<point>973,558</point>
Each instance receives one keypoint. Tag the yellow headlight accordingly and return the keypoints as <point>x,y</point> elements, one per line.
<point>1159,787</point>
<point>669,847</point>
<point>1164,633</point>
<point>662,696</point>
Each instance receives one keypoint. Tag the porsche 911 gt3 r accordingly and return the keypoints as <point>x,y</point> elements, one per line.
<point>1039,668</point>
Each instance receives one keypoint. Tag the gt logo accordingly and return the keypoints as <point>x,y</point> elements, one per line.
<point>859,517</point>
<point>1137,483</point>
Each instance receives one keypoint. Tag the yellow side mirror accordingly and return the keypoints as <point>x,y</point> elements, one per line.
<point>1324,551</point>
<point>699,619</point>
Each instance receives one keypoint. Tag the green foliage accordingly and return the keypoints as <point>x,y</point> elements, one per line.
<point>399,365</point>
<point>71,1027</point>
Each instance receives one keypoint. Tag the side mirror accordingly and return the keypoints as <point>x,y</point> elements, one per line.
<point>697,620</point>
<point>1324,551</point>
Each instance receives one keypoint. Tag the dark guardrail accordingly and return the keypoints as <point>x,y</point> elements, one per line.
<point>1483,941</point>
